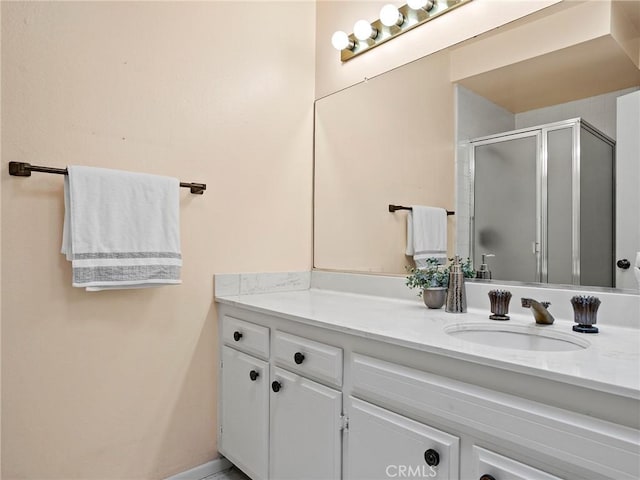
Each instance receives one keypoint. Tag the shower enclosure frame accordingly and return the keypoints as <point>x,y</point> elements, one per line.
<point>540,132</point>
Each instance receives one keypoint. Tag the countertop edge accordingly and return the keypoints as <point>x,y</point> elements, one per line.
<point>236,301</point>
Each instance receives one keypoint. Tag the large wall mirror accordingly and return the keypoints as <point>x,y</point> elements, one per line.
<point>418,136</point>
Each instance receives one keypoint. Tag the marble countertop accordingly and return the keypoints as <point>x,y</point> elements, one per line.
<point>611,362</point>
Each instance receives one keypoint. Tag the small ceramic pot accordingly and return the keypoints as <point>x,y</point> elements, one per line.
<point>434,297</point>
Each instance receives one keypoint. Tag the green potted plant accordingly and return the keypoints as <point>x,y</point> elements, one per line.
<point>431,282</point>
<point>467,269</point>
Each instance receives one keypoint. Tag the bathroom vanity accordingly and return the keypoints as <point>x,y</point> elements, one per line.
<point>328,384</point>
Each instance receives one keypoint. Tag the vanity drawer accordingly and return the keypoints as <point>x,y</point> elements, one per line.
<point>309,358</point>
<point>245,336</point>
<point>489,465</point>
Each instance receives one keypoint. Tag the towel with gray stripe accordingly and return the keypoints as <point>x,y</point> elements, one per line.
<point>121,229</point>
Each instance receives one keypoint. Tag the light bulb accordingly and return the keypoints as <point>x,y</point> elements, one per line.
<point>418,4</point>
<point>341,40</point>
<point>364,31</point>
<point>390,16</point>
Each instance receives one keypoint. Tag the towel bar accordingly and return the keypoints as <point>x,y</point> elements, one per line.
<point>393,208</point>
<point>22,169</point>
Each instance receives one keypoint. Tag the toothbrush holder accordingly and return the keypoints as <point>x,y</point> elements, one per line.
<point>499,304</point>
<point>585,312</point>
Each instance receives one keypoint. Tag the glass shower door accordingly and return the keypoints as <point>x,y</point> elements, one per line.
<point>559,264</point>
<point>506,206</point>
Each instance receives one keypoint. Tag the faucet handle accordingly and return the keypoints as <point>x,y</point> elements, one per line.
<point>545,304</point>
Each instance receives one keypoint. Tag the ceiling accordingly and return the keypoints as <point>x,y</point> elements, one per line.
<point>584,70</point>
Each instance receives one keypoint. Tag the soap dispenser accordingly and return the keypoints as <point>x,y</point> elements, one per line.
<point>456,296</point>
<point>484,271</point>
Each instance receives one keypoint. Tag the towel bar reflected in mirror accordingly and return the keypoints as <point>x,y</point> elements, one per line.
<point>393,208</point>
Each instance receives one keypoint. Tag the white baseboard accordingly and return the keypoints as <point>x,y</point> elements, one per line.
<point>204,470</point>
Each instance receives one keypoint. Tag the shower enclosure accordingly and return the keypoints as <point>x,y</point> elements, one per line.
<point>542,200</point>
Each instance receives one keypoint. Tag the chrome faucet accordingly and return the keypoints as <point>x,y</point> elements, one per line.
<point>540,312</point>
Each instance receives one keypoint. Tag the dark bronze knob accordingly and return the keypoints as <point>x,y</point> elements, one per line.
<point>276,386</point>
<point>253,375</point>
<point>237,336</point>
<point>624,264</point>
<point>298,358</point>
<point>431,457</point>
<point>487,477</point>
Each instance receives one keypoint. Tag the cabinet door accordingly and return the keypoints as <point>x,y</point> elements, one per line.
<point>305,429</point>
<point>383,444</point>
<point>491,466</point>
<point>244,412</point>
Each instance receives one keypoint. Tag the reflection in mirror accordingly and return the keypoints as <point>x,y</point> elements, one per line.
<point>567,190</point>
<point>404,137</point>
<point>542,202</point>
<point>389,140</point>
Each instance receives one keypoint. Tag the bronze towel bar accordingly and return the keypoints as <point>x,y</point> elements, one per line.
<point>21,169</point>
<point>393,208</point>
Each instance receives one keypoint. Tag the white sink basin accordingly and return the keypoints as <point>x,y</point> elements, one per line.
<point>519,337</point>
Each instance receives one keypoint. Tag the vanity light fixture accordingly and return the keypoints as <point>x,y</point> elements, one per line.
<point>390,16</point>
<point>421,4</point>
<point>393,22</point>
<point>341,41</point>
<point>364,31</point>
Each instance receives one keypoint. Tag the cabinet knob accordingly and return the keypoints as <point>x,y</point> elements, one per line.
<point>624,264</point>
<point>237,336</point>
<point>486,476</point>
<point>276,386</point>
<point>432,457</point>
<point>253,375</point>
<point>298,358</point>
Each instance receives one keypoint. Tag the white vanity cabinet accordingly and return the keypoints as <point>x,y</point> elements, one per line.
<point>306,416</point>
<point>244,420</point>
<point>309,358</point>
<point>329,404</point>
<point>489,465</point>
<point>279,422</point>
<point>565,439</point>
<point>305,435</point>
<point>383,444</point>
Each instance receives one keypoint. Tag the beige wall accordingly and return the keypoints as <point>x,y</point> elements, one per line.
<point>116,385</point>
<point>387,141</point>
<point>472,19</point>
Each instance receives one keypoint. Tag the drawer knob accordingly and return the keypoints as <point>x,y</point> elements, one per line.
<point>253,375</point>
<point>486,476</point>
<point>237,336</point>
<point>276,386</point>
<point>431,457</point>
<point>298,358</point>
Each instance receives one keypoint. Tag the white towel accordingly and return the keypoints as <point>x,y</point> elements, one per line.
<point>121,229</point>
<point>427,234</point>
